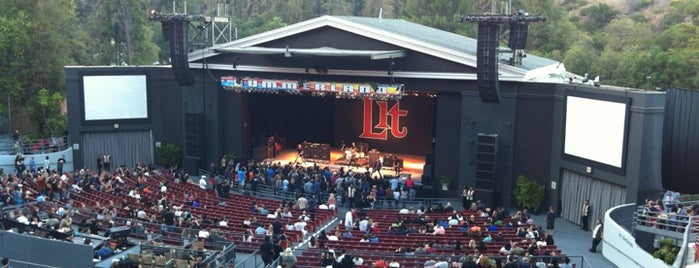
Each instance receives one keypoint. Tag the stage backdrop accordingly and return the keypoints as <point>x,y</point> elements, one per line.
<point>406,126</point>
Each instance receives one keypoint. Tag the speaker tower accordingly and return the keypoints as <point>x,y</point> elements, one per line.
<point>487,65</point>
<point>176,32</point>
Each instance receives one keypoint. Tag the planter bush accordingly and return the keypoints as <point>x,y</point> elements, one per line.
<point>168,155</point>
<point>528,193</point>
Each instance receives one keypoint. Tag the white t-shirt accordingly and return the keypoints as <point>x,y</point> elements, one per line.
<point>363,225</point>
<point>358,261</point>
<point>394,264</point>
<point>348,219</point>
<point>300,226</point>
<point>23,220</point>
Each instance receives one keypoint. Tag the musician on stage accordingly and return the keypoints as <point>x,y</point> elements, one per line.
<point>377,168</point>
<point>396,166</point>
<point>299,154</point>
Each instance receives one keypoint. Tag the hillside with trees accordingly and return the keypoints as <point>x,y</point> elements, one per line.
<point>645,44</point>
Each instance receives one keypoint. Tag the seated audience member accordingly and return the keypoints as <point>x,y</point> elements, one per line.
<point>439,230</point>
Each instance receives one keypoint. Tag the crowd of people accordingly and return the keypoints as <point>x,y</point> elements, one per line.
<point>475,243</point>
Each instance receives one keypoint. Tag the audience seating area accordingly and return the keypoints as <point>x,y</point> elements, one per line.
<point>236,209</point>
<point>388,243</point>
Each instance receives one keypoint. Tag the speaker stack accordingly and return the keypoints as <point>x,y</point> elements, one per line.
<point>176,32</point>
<point>194,131</point>
<point>518,35</point>
<point>486,154</point>
<point>487,65</point>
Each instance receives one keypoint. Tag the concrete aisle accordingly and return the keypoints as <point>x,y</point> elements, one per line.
<point>573,241</point>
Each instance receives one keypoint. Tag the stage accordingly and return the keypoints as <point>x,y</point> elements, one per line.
<point>412,164</point>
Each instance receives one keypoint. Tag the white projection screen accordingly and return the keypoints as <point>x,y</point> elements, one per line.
<point>115,97</point>
<point>595,130</point>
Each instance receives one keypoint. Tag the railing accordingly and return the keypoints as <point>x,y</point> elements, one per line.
<point>22,264</point>
<point>26,146</point>
<point>578,261</point>
<point>218,238</point>
<point>682,227</point>
<point>662,222</point>
<point>252,260</point>
<point>272,192</point>
<point>681,260</point>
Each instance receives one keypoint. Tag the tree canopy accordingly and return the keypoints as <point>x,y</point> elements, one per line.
<point>642,45</point>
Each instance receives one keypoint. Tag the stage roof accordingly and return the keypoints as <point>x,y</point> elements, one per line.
<point>404,35</point>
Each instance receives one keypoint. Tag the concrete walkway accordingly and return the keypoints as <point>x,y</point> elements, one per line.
<point>574,242</point>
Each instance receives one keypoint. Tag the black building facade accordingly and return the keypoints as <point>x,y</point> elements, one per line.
<point>441,117</point>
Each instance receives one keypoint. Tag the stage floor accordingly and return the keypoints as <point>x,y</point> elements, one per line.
<point>412,164</point>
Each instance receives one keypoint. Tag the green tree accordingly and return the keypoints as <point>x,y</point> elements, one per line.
<point>47,112</point>
<point>528,193</point>
<point>440,14</point>
<point>579,58</point>
<point>14,41</point>
<point>336,7</point>
<point>258,24</point>
<point>168,155</point>
<point>555,35</point>
<point>597,16</point>
<point>624,39</point>
<point>133,37</point>
<point>38,38</point>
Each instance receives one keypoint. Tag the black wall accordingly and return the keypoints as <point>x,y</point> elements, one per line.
<point>52,253</point>
<point>641,175</point>
<point>296,118</point>
<point>164,100</point>
<point>529,123</point>
<point>416,124</point>
<point>533,133</point>
<point>681,141</point>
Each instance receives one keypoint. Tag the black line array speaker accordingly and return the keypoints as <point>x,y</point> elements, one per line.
<point>176,32</point>
<point>194,134</point>
<point>486,154</point>
<point>518,35</point>
<point>487,62</point>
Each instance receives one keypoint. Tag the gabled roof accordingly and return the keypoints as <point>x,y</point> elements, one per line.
<point>411,36</point>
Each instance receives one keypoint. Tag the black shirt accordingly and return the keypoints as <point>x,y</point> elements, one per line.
<point>267,249</point>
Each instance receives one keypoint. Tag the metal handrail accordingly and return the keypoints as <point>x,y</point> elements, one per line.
<point>646,216</point>
<point>28,146</point>
<point>29,264</point>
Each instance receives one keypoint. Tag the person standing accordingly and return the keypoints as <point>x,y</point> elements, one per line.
<point>267,251</point>
<point>47,164</point>
<point>467,195</point>
<point>597,234</point>
<point>299,154</point>
<point>377,168</point>
<point>106,162</point>
<point>585,215</point>
<point>32,165</point>
<point>100,164</point>
<point>550,221</point>
<point>349,222</point>
<point>59,164</point>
